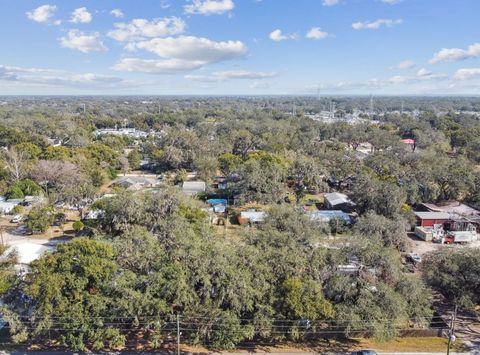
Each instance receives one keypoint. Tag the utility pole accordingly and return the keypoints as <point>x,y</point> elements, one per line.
<point>1,234</point>
<point>178,334</point>
<point>452,329</point>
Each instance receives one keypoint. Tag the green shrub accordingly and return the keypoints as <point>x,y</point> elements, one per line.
<point>78,226</point>
<point>15,192</point>
<point>17,209</point>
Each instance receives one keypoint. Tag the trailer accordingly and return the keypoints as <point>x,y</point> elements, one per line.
<point>429,234</point>
<point>424,233</point>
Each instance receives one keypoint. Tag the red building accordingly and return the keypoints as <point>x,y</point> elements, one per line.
<point>429,219</point>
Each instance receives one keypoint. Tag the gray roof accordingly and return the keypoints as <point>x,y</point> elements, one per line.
<point>327,215</point>
<point>253,216</point>
<point>432,215</point>
<point>336,198</point>
<point>194,187</point>
<point>135,180</point>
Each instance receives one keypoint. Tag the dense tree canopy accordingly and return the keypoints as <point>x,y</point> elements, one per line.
<point>153,256</point>
<point>455,274</point>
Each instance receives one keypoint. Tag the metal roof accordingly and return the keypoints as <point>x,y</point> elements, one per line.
<point>432,215</point>
<point>194,186</point>
<point>337,198</point>
<point>327,215</point>
<point>253,216</point>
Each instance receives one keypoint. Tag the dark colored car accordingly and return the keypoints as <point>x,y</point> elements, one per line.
<point>364,352</point>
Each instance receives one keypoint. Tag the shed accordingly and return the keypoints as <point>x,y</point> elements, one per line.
<point>194,187</point>
<point>219,208</point>
<point>429,219</point>
<point>251,216</point>
<point>338,201</point>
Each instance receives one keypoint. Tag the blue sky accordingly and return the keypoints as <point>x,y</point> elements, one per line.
<point>170,47</point>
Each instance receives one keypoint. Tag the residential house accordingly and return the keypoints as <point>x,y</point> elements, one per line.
<point>135,183</point>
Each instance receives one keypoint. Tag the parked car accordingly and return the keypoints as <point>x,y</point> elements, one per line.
<point>16,219</point>
<point>414,258</point>
<point>364,352</point>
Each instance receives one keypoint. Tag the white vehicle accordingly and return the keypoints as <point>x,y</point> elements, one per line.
<point>17,218</point>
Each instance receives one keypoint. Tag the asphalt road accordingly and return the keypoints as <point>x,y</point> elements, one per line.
<point>243,353</point>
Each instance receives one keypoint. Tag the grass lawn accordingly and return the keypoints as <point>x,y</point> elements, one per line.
<point>408,344</point>
<point>412,344</point>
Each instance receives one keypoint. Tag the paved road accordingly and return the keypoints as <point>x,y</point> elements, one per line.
<point>244,353</point>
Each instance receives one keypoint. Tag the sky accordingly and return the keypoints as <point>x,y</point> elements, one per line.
<point>239,47</point>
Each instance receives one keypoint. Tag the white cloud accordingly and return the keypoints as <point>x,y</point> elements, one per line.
<point>344,86</point>
<point>180,54</point>
<point>140,28</point>
<point>60,78</point>
<point>467,73</point>
<point>81,15</point>
<point>156,66</point>
<point>43,14</point>
<point>83,42</point>
<point>330,2</point>
<point>375,25</point>
<point>117,13</point>
<point>421,75</point>
<point>423,81</point>
<point>425,74</point>
<point>406,64</point>
<point>257,85</point>
<point>456,54</point>
<point>193,48</point>
<point>209,7</point>
<point>391,2</point>
<point>165,4</point>
<point>231,74</point>
<point>278,36</point>
<point>316,33</point>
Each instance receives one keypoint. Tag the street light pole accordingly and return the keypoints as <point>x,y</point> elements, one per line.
<point>452,328</point>
<point>178,334</point>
